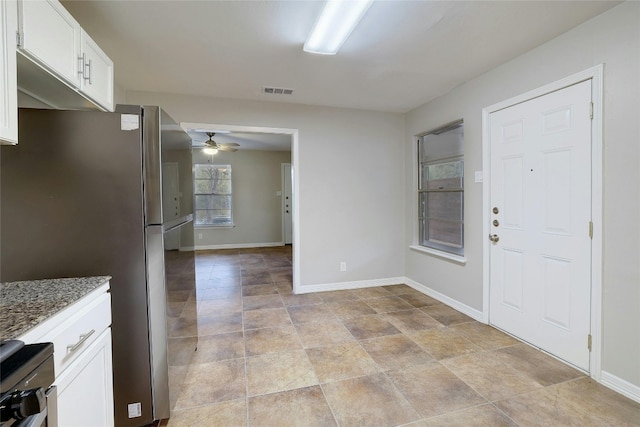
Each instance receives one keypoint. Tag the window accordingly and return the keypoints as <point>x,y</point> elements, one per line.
<point>441,189</point>
<point>213,196</point>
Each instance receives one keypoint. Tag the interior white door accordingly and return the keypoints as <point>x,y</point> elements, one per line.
<point>287,203</point>
<point>540,256</point>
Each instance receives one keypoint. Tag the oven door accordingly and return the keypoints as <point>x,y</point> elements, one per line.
<point>45,418</point>
<point>52,407</point>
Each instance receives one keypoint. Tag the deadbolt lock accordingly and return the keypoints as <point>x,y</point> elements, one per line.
<point>495,223</point>
<point>495,210</point>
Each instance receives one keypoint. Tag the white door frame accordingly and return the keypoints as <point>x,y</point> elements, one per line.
<point>596,75</point>
<point>296,173</point>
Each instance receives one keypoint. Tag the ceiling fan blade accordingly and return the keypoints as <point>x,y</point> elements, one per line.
<point>229,149</point>
<point>229,144</point>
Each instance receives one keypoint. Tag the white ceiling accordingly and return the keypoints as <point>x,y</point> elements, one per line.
<point>247,140</point>
<point>401,55</point>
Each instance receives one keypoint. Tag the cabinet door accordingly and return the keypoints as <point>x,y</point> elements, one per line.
<point>85,388</point>
<point>97,74</point>
<point>51,37</point>
<point>8,76</point>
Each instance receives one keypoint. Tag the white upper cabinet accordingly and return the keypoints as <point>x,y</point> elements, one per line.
<point>53,41</point>
<point>8,90</point>
<point>50,36</point>
<point>97,72</point>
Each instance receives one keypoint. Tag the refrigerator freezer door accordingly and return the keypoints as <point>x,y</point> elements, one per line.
<point>149,120</point>
<point>152,152</point>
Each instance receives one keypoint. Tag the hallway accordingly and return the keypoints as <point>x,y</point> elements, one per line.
<point>382,356</point>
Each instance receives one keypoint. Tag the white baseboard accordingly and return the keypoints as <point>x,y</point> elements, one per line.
<point>237,246</point>
<point>463,308</point>
<point>341,286</point>
<point>621,386</point>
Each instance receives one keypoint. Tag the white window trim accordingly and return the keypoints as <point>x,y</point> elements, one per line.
<point>416,246</point>
<point>232,224</point>
<point>441,254</point>
<point>201,226</point>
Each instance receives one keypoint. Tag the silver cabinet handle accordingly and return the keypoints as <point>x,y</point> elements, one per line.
<point>85,68</point>
<point>88,67</point>
<point>83,338</point>
<point>83,60</point>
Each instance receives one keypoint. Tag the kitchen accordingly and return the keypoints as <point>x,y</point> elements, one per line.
<point>119,233</point>
<point>379,128</point>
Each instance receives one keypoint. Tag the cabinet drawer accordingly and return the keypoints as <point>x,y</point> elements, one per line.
<point>76,334</point>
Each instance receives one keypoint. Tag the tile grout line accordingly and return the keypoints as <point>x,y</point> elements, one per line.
<point>244,347</point>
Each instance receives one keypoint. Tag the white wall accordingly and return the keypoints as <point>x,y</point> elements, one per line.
<point>257,210</point>
<point>612,38</point>
<point>350,181</point>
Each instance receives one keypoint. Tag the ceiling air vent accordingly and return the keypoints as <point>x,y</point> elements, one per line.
<point>277,91</point>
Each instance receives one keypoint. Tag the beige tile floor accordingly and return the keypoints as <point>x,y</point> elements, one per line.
<point>383,356</point>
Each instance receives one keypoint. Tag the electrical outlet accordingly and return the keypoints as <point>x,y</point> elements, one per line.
<point>199,236</point>
<point>343,266</point>
<point>135,410</point>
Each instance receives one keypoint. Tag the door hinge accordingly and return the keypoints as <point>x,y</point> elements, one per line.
<point>589,342</point>
<point>18,39</point>
<point>591,110</point>
<point>590,229</point>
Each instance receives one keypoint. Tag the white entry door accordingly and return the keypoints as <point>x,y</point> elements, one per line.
<point>540,256</point>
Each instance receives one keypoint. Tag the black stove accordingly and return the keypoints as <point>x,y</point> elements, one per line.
<point>8,348</point>
<point>26,378</point>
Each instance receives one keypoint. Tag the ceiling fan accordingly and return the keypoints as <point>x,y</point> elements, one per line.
<point>212,147</point>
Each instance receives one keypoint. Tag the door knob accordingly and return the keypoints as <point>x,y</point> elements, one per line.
<point>494,238</point>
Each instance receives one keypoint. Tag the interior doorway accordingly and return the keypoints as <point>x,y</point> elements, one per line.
<point>542,212</point>
<point>292,135</point>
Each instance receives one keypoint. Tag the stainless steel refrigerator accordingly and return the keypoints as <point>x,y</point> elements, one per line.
<point>81,195</point>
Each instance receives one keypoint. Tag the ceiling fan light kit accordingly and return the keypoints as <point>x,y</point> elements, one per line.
<point>335,24</point>
<point>211,147</point>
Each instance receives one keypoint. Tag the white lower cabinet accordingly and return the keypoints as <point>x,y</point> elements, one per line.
<point>81,337</point>
<point>85,389</point>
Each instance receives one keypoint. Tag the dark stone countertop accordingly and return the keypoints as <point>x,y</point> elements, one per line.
<point>25,304</point>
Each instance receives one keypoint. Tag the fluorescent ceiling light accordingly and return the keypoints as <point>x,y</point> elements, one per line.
<point>336,22</point>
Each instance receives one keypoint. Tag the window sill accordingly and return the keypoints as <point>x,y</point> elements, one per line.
<point>213,226</point>
<point>451,257</point>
